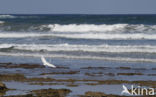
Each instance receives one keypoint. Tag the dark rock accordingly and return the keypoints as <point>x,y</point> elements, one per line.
<point>2,86</point>
<point>3,89</point>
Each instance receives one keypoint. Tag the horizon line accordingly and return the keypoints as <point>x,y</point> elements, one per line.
<point>75,14</point>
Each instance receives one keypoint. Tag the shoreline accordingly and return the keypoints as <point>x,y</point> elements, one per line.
<point>50,79</point>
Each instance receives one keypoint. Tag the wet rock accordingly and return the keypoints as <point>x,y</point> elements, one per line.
<point>3,89</point>
<point>51,92</point>
<point>2,86</point>
<point>99,94</point>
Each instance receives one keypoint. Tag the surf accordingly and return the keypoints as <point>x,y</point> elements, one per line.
<point>101,36</point>
<point>81,48</point>
<point>100,28</point>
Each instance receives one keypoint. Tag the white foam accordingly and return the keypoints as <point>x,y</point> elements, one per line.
<point>86,28</point>
<point>101,36</point>
<point>21,35</point>
<point>6,16</point>
<point>2,22</point>
<point>100,28</point>
<point>108,36</point>
<point>83,48</point>
<point>6,45</point>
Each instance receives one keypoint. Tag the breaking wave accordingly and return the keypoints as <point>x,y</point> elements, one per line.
<point>99,28</point>
<point>7,16</point>
<point>82,28</point>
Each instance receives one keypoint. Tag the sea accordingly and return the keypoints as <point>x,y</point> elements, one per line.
<point>81,40</point>
<point>76,36</point>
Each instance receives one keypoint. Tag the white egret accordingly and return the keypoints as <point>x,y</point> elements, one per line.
<point>45,63</point>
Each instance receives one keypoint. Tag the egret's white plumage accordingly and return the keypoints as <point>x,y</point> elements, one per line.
<point>45,63</point>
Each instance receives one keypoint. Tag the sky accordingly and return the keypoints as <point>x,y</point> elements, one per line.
<point>77,6</point>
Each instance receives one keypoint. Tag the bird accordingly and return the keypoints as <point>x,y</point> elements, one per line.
<point>45,63</point>
<point>125,90</point>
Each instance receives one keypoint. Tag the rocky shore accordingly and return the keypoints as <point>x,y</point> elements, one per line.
<point>19,73</point>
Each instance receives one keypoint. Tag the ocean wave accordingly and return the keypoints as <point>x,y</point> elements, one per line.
<point>81,48</point>
<point>79,57</point>
<point>99,28</point>
<point>7,16</point>
<point>101,36</point>
<point>2,22</point>
<point>81,28</point>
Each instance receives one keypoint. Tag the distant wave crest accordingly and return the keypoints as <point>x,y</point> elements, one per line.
<point>6,16</point>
